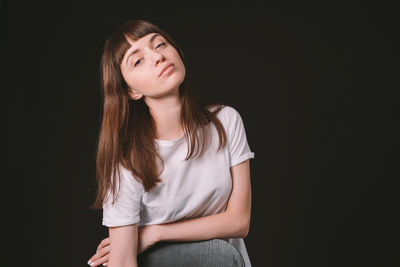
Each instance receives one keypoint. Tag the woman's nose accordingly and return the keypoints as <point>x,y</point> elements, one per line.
<point>157,57</point>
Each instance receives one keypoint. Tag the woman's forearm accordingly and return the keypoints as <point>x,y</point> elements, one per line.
<point>123,246</point>
<point>221,225</point>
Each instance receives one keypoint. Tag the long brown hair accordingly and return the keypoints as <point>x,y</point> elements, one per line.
<point>128,131</point>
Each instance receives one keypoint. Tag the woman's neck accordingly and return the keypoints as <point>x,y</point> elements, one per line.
<point>167,115</point>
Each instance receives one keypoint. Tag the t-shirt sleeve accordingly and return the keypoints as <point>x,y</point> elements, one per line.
<point>238,147</point>
<point>126,208</point>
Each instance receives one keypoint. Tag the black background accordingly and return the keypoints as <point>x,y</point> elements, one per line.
<point>315,83</point>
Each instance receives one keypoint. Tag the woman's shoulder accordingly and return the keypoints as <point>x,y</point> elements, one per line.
<point>225,113</point>
<point>223,109</point>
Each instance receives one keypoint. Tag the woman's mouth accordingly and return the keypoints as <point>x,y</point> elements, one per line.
<point>170,67</point>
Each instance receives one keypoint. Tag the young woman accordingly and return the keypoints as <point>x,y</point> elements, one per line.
<point>169,167</point>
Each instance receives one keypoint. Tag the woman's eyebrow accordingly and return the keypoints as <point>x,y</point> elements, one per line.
<point>137,50</point>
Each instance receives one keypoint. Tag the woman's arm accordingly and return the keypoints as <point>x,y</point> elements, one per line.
<point>123,246</point>
<point>234,222</point>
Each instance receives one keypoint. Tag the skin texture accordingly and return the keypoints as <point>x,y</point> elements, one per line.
<point>141,70</point>
<point>123,246</point>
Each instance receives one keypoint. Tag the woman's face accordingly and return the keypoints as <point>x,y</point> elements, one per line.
<point>143,64</point>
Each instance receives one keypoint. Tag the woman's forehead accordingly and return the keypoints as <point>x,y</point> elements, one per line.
<point>149,37</point>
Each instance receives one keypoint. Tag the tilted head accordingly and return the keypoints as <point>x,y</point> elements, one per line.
<point>134,57</point>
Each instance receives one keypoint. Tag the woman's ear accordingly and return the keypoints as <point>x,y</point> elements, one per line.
<point>134,95</point>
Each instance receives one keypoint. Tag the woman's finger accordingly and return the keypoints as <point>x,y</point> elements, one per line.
<point>102,260</point>
<point>103,243</point>
<point>104,251</point>
<point>100,254</point>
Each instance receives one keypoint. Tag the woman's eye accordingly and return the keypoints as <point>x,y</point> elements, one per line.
<point>163,43</point>
<point>137,62</point>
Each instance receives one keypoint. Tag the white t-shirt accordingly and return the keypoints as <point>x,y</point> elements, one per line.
<point>189,189</point>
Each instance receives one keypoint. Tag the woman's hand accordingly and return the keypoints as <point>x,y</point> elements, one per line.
<point>102,253</point>
<point>148,236</point>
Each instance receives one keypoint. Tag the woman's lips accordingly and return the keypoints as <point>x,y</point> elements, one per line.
<point>168,69</point>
